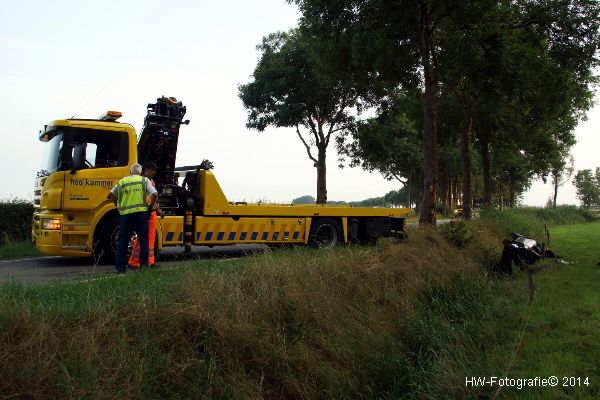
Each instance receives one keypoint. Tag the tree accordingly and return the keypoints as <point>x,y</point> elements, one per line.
<point>388,143</point>
<point>399,43</point>
<point>398,197</point>
<point>304,200</point>
<point>588,187</point>
<point>562,171</point>
<point>302,81</point>
<point>512,172</point>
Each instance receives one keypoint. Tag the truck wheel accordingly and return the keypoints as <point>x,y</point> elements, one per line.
<point>324,233</point>
<point>109,236</point>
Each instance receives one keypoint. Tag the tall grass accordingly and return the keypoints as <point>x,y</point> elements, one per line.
<point>372,322</point>
<point>17,250</point>
<point>564,215</point>
<point>529,221</point>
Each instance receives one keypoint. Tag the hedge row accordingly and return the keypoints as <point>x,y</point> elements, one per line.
<point>15,220</point>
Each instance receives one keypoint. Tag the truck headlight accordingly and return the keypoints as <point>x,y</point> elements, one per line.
<point>51,224</point>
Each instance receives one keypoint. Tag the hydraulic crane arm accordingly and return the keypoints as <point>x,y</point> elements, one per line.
<point>158,143</point>
<point>159,136</point>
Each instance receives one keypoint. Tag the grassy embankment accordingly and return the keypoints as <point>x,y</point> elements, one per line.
<point>396,320</point>
<point>355,321</point>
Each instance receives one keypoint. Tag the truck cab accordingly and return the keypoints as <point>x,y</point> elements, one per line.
<point>83,160</point>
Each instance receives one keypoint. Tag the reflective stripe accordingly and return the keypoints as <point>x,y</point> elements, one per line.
<point>134,206</point>
<point>131,183</point>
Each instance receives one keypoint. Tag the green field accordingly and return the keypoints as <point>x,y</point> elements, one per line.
<point>561,338</point>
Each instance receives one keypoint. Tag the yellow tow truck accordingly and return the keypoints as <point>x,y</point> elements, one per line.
<point>86,158</point>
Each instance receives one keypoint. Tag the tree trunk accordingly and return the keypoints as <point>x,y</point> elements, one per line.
<point>501,195</point>
<point>452,195</point>
<point>487,175</point>
<point>419,197</point>
<point>430,159</point>
<point>443,192</point>
<point>465,147</point>
<point>512,195</point>
<point>458,192</point>
<point>408,184</point>
<point>555,181</point>
<point>321,176</point>
<point>453,202</point>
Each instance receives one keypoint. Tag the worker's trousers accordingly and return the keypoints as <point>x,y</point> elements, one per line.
<point>129,223</point>
<point>134,260</point>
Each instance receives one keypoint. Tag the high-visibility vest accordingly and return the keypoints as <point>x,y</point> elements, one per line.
<point>131,194</point>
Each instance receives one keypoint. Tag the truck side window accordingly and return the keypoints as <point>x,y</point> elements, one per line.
<point>104,148</point>
<point>82,148</point>
<point>90,153</point>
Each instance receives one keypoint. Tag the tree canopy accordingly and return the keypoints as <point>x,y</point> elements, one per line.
<point>588,187</point>
<point>302,82</point>
<point>517,75</point>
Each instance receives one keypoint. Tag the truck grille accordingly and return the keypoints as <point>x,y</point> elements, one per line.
<point>35,226</point>
<point>37,195</point>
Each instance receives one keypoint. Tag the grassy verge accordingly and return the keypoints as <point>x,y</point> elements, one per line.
<point>372,322</point>
<point>18,250</point>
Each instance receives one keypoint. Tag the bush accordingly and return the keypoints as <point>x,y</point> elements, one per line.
<point>15,220</point>
<point>563,215</point>
<point>520,220</point>
<point>457,232</point>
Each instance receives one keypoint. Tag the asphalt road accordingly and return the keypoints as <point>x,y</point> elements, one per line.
<point>44,269</point>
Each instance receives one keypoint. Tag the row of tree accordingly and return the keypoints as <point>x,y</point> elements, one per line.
<point>470,99</point>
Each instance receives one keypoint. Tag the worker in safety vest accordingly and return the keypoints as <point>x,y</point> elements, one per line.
<point>130,197</point>
<point>134,260</point>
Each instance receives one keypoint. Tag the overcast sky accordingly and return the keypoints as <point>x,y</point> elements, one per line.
<point>62,58</point>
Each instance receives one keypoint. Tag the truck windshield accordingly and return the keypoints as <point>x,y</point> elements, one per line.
<point>78,148</point>
<point>50,159</point>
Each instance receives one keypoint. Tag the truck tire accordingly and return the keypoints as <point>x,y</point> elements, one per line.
<point>325,233</point>
<point>109,235</point>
